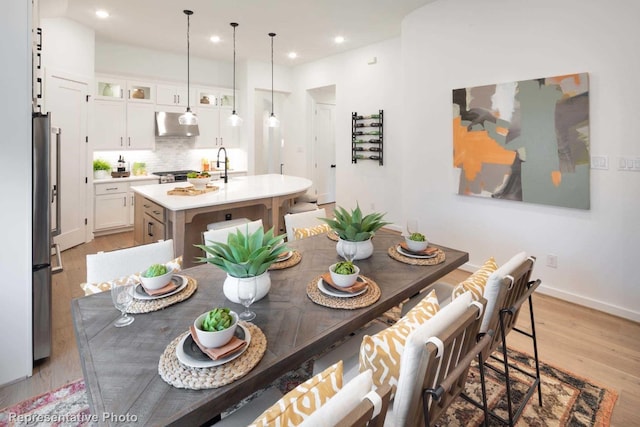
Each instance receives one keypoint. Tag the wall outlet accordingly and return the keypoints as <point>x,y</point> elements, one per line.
<point>599,162</point>
<point>552,261</point>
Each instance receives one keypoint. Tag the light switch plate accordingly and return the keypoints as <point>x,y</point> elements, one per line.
<point>599,162</point>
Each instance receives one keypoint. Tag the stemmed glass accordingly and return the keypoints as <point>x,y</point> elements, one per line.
<point>349,250</point>
<point>122,296</point>
<point>247,290</point>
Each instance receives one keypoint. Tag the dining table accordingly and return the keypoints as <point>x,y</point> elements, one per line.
<point>122,366</point>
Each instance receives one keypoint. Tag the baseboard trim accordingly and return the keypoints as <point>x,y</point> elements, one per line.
<point>614,310</point>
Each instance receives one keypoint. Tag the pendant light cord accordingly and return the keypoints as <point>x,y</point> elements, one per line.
<point>188,13</point>
<point>234,25</point>
<point>272,35</point>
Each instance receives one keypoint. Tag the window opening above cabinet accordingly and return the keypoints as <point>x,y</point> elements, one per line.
<point>367,137</point>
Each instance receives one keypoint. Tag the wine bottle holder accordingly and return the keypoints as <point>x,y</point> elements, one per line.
<point>367,137</point>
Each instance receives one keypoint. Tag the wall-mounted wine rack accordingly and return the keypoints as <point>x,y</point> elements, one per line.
<point>367,137</point>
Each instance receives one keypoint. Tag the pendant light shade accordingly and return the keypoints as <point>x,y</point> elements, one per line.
<point>234,119</point>
<point>188,118</point>
<point>272,121</point>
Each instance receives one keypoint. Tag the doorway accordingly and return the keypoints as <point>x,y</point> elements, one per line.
<point>66,100</point>
<point>323,150</point>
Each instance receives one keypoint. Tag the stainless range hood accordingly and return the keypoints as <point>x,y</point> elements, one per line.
<point>167,125</point>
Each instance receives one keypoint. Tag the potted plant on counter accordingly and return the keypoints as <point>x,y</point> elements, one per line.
<point>245,257</point>
<point>101,169</point>
<point>354,227</point>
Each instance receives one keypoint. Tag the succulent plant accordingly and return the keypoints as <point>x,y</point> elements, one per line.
<point>245,255</point>
<point>354,227</point>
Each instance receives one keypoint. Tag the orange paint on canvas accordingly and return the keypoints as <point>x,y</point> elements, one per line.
<point>471,149</point>
<point>556,178</point>
<point>559,79</point>
<point>502,130</point>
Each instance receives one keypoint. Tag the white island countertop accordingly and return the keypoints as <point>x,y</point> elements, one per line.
<point>238,189</point>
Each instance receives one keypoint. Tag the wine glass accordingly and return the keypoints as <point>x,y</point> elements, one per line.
<point>349,250</point>
<point>247,290</point>
<point>122,296</point>
<point>412,226</point>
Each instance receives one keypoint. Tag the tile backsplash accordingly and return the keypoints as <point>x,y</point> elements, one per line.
<point>174,154</point>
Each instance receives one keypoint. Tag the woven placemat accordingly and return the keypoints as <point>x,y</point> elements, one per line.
<point>364,300</point>
<point>192,191</point>
<point>147,306</point>
<point>333,236</point>
<point>180,376</point>
<point>295,258</point>
<point>393,253</point>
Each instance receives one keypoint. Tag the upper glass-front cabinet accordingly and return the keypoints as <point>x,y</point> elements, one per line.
<point>108,88</point>
<point>140,92</point>
<point>226,99</point>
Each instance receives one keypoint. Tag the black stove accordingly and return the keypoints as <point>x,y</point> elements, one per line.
<point>172,176</point>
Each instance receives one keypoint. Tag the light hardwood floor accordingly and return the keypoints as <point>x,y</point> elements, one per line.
<point>591,344</point>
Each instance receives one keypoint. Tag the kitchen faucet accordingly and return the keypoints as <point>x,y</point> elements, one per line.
<point>226,172</point>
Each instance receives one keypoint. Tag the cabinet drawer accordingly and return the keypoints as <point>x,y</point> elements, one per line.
<point>153,209</point>
<point>111,187</point>
<point>152,230</point>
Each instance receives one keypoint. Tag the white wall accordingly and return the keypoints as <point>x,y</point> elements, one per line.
<point>460,43</point>
<point>114,58</point>
<point>365,89</point>
<point>63,40</point>
<point>15,250</point>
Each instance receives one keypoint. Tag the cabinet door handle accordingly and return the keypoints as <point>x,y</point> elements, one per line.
<point>111,188</point>
<point>129,139</point>
<point>178,99</point>
<point>124,201</point>
<point>132,198</point>
<point>121,93</point>
<point>150,229</point>
<point>157,212</point>
<point>146,206</point>
<point>121,142</point>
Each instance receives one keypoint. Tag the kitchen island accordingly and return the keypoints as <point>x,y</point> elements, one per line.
<point>183,218</point>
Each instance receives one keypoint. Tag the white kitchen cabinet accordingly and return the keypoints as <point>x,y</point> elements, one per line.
<point>114,205</point>
<point>110,88</point>
<point>143,92</point>
<point>123,126</point>
<point>213,109</point>
<point>173,95</point>
<point>111,208</point>
<point>140,126</point>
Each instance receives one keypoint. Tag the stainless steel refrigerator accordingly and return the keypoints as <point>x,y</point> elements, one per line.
<point>45,196</point>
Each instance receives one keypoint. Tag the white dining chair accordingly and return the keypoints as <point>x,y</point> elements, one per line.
<point>303,220</point>
<point>105,266</point>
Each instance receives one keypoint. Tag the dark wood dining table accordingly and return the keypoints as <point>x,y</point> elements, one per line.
<point>120,365</point>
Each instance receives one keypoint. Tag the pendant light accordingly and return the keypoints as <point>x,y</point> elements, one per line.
<point>234,119</point>
<point>272,121</point>
<point>188,118</point>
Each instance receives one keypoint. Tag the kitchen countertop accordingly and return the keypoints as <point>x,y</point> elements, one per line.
<point>131,178</point>
<point>238,189</point>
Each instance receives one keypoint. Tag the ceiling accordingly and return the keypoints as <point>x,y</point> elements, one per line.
<point>304,26</point>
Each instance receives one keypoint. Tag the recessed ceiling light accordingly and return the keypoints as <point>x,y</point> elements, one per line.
<point>215,39</point>
<point>338,39</point>
<point>293,55</point>
<point>101,13</point>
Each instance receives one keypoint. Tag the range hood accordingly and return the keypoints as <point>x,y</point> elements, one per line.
<point>167,125</point>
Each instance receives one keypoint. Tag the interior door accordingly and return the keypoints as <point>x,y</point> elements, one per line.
<point>67,102</point>
<point>324,153</point>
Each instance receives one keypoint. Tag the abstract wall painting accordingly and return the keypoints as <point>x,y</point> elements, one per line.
<point>526,140</point>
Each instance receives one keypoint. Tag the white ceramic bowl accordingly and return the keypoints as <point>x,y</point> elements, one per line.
<point>216,338</point>
<point>199,183</point>
<point>157,282</point>
<point>416,246</point>
<point>343,280</point>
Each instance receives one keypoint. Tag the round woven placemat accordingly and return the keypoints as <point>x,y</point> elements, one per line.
<point>393,253</point>
<point>364,300</point>
<point>295,258</point>
<point>147,306</point>
<point>180,376</point>
<point>333,236</point>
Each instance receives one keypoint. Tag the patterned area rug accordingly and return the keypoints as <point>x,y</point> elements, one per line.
<point>567,401</point>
